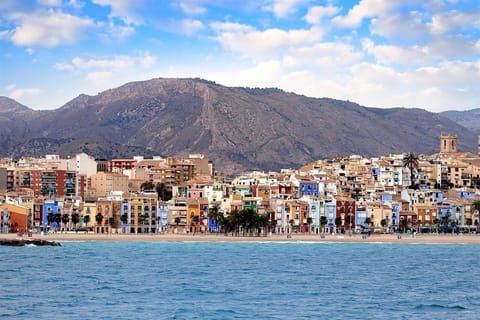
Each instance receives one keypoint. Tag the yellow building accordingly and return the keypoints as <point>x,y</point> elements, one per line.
<point>104,182</point>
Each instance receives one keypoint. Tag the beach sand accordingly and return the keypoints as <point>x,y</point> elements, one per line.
<point>380,238</point>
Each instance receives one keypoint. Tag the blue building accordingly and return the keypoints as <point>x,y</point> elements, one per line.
<point>50,207</point>
<point>309,188</point>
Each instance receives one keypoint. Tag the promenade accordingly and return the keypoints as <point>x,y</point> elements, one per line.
<point>380,238</point>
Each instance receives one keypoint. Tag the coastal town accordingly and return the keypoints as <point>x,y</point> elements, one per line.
<point>399,193</point>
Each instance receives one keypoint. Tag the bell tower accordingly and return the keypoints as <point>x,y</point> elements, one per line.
<point>448,143</point>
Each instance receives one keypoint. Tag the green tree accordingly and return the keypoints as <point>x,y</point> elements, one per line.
<point>411,162</point>
<point>99,218</point>
<point>177,221</point>
<point>86,219</point>
<point>57,218</point>
<point>323,221</point>
<point>147,186</point>
<point>214,214</point>
<point>75,219</point>
<point>163,192</point>
<point>309,222</point>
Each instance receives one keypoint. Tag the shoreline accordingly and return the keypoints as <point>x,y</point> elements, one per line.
<point>357,238</point>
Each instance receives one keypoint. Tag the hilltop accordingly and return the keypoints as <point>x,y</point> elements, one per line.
<point>238,128</point>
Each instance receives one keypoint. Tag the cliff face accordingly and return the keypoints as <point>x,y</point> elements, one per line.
<point>238,128</point>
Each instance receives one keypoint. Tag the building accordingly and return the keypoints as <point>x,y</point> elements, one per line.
<point>103,183</point>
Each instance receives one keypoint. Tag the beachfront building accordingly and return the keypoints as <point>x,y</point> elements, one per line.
<point>4,220</point>
<point>16,217</point>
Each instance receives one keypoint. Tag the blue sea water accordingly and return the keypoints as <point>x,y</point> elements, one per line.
<point>253,280</point>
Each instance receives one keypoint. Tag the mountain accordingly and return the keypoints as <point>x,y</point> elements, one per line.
<point>238,128</point>
<point>470,119</point>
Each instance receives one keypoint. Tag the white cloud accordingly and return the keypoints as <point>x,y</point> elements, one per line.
<point>50,3</point>
<point>317,13</point>
<point>327,56</point>
<point>444,22</point>
<point>100,78</point>
<point>191,7</point>
<point>50,29</point>
<point>116,63</point>
<point>124,9</point>
<point>366,9</point>
<point>283,8</point>
<point>408,27</point>
<point>190,27</point>
<point>19,93</point>
<point>256,44</point>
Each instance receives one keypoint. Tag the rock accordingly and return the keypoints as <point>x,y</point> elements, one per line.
<point>24,242</point>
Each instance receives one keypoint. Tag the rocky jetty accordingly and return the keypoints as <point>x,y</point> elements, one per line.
<point>26,242</point>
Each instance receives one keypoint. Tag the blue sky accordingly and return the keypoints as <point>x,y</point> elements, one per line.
<point>378,53</point>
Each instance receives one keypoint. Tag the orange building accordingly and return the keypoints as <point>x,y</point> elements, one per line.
<point>18,216</point>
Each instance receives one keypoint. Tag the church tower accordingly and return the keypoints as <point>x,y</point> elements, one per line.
<point>448,143</point>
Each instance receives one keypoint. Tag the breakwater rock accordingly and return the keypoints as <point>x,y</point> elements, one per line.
<point>25,242</point>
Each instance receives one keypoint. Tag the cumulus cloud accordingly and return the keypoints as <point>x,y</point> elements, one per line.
<point>191,7</point>
<point>190,26</point>
<point>254,43</point>
<point>126,10</point>
<point>50,29</point>
<point>283,8</point>
<point>317,13</point>
<point>119,62</point>
<point>444,22</point>
<point>366,9</point>
<point>19,93</point>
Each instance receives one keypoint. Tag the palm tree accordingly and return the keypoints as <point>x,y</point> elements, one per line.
<point>50,216</point>
<point>309,222</point>
<point>323,221</point>
<point>411,162</point>
<point>195,220</point>
<point>263,222</point>
<point>57,218</point>
<point>338,222</point>
<point>75,219</point>
<point>86,220</point>
<point>214,215</point>
<point>99,218</point>
<point>177,221</point>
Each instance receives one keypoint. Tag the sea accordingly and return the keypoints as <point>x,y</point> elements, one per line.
<point>240,280</point>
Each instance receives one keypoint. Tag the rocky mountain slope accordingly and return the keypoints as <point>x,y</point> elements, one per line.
<point>238,128</point>
<point>470,119</point>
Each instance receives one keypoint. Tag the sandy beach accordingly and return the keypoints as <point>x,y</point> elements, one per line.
<point>380,238</point>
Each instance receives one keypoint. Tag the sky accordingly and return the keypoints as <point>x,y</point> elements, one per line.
<point>378,53</point>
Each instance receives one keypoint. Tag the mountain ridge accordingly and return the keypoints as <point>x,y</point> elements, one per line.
<point>238,128</point>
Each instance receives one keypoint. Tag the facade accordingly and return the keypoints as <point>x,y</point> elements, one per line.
<point>103,183</point>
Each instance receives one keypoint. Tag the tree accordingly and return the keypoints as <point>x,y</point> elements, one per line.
<point>163,192</point>
<point>338,221</point>
<point>86,219</point>
<point>177,221</point>
<point>214,215</point>
<point>309,222</point>
<point>411,162</point>
<point>124,218</point>
<point>99,218</point>
<point>263,222</point>
<point>50,216</point>
<point>75,219</point>
<point>323,221</point>
<point>147,186</point>
<point>383,223</point>
<point>57,218</point>
<point>368,221</point>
